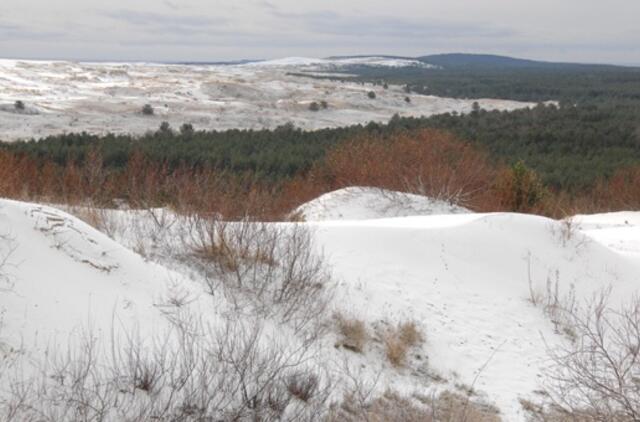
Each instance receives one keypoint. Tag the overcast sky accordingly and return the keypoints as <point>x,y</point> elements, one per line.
<point>209,30</point>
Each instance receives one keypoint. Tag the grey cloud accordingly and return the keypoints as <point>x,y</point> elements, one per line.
<point>331,23</point>
<point>269,6</point>
<point>164,22</point>
<point>171,5</point>
<point>23,33</point>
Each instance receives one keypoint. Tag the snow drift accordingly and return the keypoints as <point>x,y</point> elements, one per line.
<point>361,203</point>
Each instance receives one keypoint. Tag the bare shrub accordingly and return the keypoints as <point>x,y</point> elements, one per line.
<point>196,374</point>
<point>556,306</point>
<point>233,249</point>
<point>552,413</point>
<point>568,229</point>
<point>353,332</point>
<point>303,385</point>
<point>276,269</point>
<point>596,374</point>
<point>567,233</point>
<point>7,248</point>
<point>99,218</point>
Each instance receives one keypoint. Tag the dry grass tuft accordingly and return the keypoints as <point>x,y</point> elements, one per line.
<point>354,333</point>
<point>410,334</point>
<point>230,255</point>
<point>393,407</point>
<point>456,407</point>
<point>399,340</point>
<point>396,351</point>
<point>220,253</point>
<point>390,407</point>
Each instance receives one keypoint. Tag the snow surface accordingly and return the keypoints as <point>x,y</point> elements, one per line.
<point>289,61</point>
<point>463,277</point>
<point>108,97</point>
<point>322,64</point>
<point>619,231</point>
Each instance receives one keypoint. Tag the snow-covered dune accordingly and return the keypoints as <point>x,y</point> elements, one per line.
<point>64,277</point>
<point>362,203</point>
<point>466,279</point>
<point>108,97</point>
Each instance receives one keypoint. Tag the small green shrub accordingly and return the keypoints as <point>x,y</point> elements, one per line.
<point>148,110</point>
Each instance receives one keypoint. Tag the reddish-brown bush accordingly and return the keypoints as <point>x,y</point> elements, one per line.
<point>427,162</point>
<point>619,192</point>
<point>143,183</point>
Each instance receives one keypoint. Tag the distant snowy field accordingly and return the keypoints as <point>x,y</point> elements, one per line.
<point>463,277</point>
<point>108,97</point>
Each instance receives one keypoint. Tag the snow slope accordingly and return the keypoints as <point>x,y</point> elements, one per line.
<point>66,277</point>
<point>108,97</point>
<point>463,277</point>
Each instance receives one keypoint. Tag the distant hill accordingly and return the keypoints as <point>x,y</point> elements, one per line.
<point>489,61</point>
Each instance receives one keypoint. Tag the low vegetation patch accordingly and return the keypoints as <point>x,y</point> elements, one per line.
<point>455,407</point>
<point>392,407</point>
<point>148,110</point>
<point>273,270</point>
<point>250,379</point>
<point>353,333</point>
<point>303,385</point>
<point>399,340</point>
<point>594,374</point>
<point>389,407</point>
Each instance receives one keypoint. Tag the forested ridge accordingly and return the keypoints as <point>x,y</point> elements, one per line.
<point>570,147</point>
